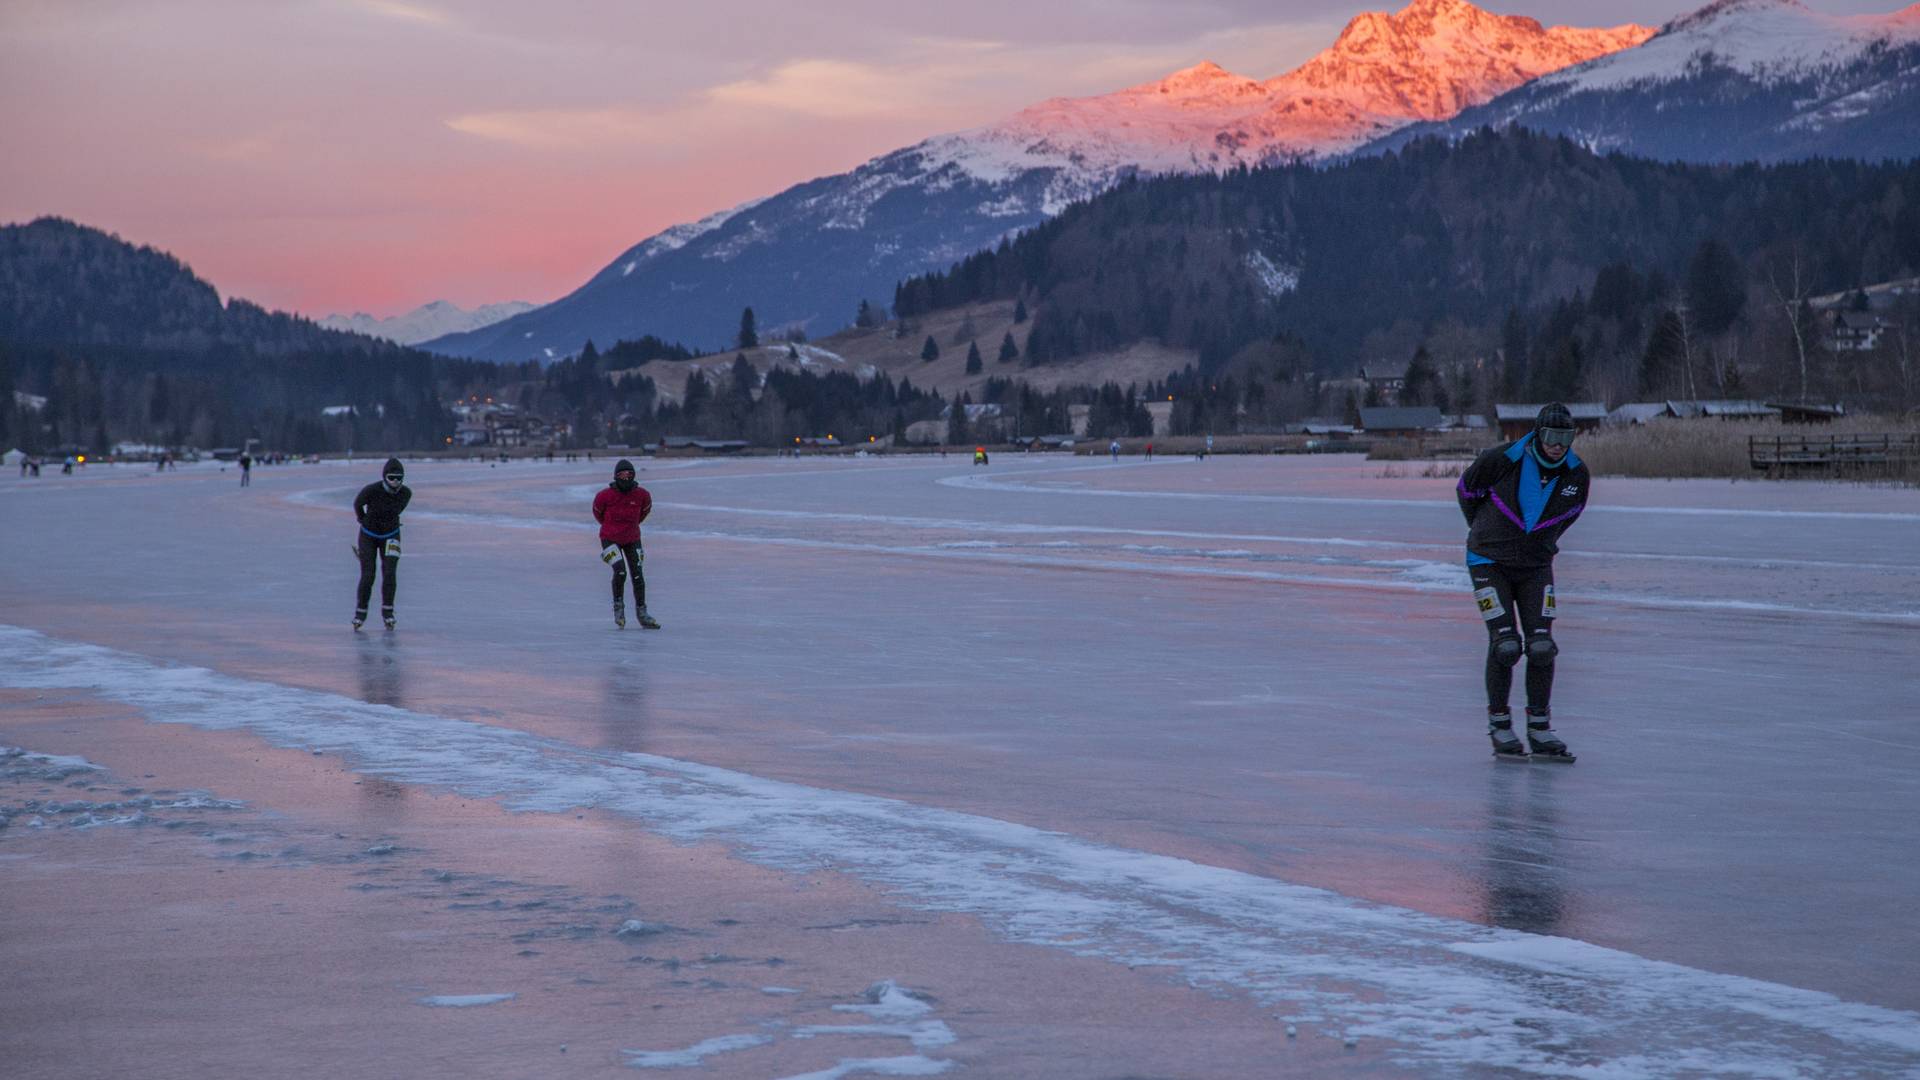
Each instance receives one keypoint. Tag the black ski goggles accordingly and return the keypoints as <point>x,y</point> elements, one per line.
<point>1556,436</point>
<point>395,478</point>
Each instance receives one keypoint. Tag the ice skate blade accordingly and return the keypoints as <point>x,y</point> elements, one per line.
<point>1554,759</point>
<point>1519,758</point>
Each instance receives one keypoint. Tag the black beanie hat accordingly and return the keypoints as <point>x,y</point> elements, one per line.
<point>623,466</point>
<point>1555,415</point>
<point>393,466</point>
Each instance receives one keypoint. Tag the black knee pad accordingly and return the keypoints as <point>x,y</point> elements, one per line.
<point>1506,650</point>
<point>1541,649</point>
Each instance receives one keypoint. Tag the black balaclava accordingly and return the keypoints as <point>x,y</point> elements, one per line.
<point>623,483</point>
<point>393,468</point>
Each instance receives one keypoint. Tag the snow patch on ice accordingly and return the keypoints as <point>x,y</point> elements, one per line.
<point>695,1054</point>
<point>906,1065</point>
<point>20,764</point>
<point>886,1000</point>
<point>465,1001</point>
<point>925,1035</point>
<point>1441,992</point>
<point>1438,575</point>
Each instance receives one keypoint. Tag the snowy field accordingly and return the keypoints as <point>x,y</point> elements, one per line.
<point>1054,768</point>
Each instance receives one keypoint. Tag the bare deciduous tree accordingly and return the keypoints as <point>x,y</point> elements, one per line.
<point>1792,298</point>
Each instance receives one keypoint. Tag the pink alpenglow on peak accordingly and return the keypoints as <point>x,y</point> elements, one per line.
<point>1436,57</point>
<point>1428,61</point>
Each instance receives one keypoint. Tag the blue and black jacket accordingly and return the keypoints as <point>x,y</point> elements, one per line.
<point>1516,508</point>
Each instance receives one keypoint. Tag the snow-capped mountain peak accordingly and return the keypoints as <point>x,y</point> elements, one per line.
<point>1435,57</point>
<point>1428,60</point>
<point>426,322</point>
<point>1736,80</point>
<point>1206,82</point>
<point>933,203</point>
<point>1764,39</point>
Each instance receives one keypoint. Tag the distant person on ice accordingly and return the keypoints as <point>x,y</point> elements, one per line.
<point>1519,497</point>
<point>378,508</point>
<point>620,507</point>
<point>246,470</point>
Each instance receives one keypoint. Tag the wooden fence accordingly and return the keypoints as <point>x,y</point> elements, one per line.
<point>1782,454</point>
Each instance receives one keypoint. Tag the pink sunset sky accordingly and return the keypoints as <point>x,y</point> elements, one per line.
<point>372,155</point>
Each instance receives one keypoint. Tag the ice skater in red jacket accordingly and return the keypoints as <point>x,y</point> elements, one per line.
<point>620,507</point>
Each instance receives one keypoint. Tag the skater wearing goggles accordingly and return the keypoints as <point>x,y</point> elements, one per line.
<point>378,508</point>
<point>1518,499</point>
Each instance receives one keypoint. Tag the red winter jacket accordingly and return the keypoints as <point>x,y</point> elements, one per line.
<point>620,513</point>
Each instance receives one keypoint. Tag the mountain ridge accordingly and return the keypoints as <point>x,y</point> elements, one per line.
<point>1737,80</point>
<point>436,318</point>
<point>806,256</point>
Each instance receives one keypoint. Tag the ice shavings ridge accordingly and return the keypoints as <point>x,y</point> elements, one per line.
<point>1441,992</point>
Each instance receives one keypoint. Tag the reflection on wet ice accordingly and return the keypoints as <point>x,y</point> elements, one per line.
<point>382,673</point>
<point>623,705</point>
<point>1523,883</point>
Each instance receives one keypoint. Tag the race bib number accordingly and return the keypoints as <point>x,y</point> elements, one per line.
<point>1547,608</point>
<point>1488,601</point>
<point>393,548</point>
<point>610,554</point>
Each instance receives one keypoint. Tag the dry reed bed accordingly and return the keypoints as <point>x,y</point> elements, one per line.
<point>1717,448</point>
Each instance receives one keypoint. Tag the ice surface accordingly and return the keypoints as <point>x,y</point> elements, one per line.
<point>1217,719</point>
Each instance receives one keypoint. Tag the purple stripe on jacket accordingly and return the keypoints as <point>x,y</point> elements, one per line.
<point>1561,518</point>
<point>1507,510</point>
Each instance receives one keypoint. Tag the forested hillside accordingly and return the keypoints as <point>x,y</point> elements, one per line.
<point>103,342</point>
<point>1365,261</point>
<point>126,343</point>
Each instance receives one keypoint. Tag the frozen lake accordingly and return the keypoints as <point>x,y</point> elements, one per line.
<point>1052,768</point>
